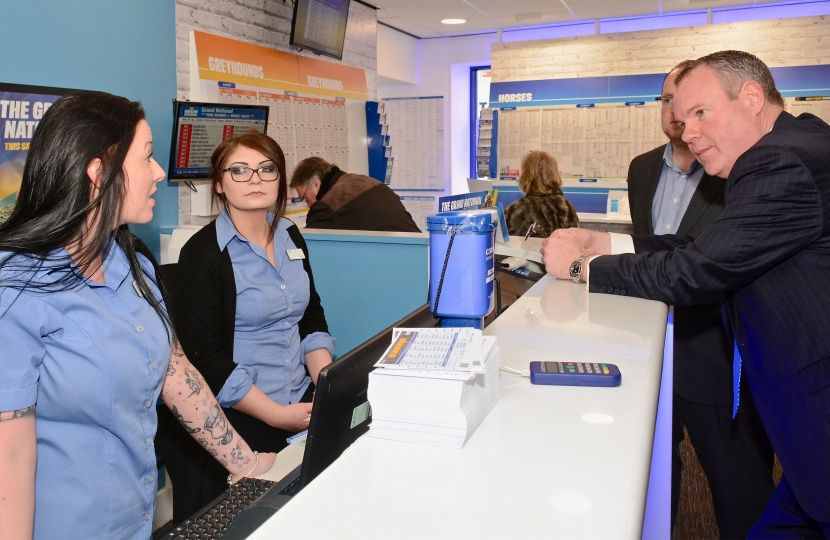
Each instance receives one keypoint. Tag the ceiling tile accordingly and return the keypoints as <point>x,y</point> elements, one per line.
<point>436,7</point>
<point>670,6</point>
<point>549,16</point>
<point>610,12</point>
<point>422,17</point>
<point>610,4</point>
<point>434,21</point>
<point>518,5</point>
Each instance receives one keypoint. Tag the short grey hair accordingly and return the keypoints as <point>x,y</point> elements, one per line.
<point>734,68</point>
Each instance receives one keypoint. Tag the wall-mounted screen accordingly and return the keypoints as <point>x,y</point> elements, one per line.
<point>320,26</point>
<point>198,128</point>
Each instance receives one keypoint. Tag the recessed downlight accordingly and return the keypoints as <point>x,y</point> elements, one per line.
<point>454,21</point>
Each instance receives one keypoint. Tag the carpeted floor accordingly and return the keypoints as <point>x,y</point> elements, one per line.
<point>695,516</point>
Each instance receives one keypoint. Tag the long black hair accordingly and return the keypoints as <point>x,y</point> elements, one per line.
<point>55,207</point>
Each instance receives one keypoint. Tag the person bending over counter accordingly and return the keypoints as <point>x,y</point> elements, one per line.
<point>341,200</point>
<point>248,315</point>
<point>768,252</point>
<point>543,203</point>
<point>670,193</point>
<point>87,343</point>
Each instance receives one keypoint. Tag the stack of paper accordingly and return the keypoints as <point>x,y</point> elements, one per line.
<point>434,386</point>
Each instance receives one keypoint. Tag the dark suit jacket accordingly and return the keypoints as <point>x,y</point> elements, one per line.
<point>769,252</point>
<point>702,350</point>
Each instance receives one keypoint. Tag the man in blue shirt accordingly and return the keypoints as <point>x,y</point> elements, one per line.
<point>670,193</point>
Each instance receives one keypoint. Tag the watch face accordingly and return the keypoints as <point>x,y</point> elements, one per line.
<point>576,269</point>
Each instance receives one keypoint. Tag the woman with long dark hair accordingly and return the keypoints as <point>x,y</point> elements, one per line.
<point>248,315</point>
<point>87,343</point>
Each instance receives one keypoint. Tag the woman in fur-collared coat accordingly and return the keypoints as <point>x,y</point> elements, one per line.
<point>543,203</point>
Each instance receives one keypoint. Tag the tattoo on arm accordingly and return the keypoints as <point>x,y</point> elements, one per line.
<point>239,459</point>
<point>206,445</point>
<point>217,425</point>
<point>21,413</point>
<point>171,370</point>
<point>184,422</point>
<point>194,381</point>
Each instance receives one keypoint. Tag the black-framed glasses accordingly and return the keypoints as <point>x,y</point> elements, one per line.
<point>240,173</point>
<point>665,101</point>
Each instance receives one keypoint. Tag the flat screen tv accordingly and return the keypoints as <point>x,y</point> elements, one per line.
<point>320,26</point>
<point>198,128</point>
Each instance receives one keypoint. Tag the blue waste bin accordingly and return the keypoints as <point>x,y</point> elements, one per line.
<point>461,250</point>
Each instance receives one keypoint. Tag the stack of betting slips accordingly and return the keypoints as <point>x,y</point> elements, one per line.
<point>434,386</point>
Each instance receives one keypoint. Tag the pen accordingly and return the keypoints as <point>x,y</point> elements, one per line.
<point>530,230</point>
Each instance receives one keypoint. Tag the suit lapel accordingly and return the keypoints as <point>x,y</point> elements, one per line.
<point>708,188</point>
<point>652,175</point>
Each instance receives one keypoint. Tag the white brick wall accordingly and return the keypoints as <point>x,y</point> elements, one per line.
<point>779,42</point>
<point>266,23</point>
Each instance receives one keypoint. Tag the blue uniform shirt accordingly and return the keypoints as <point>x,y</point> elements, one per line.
<point>673,194</point>
<point>93,359</point>
<point>269,303</point>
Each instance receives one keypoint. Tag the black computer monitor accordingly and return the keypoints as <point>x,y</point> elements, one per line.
<point>198,128</point>
<point>341,388</point>
<point>320,26</point>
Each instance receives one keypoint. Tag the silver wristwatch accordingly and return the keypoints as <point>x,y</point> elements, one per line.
<point>577,267</point>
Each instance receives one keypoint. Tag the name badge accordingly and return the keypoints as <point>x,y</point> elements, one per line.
<point>295,254</point>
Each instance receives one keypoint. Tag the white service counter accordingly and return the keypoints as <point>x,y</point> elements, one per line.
<point>548,462</point>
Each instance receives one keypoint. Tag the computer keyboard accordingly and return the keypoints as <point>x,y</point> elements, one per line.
<point>215,518</point>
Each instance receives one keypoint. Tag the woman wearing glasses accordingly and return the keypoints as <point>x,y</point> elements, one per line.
<point>247,315</point>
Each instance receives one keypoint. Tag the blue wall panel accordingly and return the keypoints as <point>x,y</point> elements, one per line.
<point>125,48</point>
<point>367,283</point>
<point>792,81</point>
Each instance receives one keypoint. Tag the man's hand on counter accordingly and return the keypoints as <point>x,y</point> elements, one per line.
<point>565,246</point>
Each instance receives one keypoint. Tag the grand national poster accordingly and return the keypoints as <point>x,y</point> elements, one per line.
<point>21,108</point>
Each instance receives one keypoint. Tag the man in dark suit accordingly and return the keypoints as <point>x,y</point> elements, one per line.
<point>670,193</point>
<point>768,252</point>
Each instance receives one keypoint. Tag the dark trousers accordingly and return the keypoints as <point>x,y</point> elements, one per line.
<point>736,456</point>
<point>196,476</point>
<point>784,518</point>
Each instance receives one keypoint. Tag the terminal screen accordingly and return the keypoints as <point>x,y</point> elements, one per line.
<point>200,127</point>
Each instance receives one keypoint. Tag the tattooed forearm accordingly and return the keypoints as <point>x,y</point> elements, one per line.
<point>21,413</point>
<point>206,445</point>
<point>239,457</point>
<point>184,422</point>
<point>217,425</point>
<point>194,381</point>
<point>195,407</point>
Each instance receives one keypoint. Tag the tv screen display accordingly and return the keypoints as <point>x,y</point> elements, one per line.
<point>320,26</point>
<point>198,128</point>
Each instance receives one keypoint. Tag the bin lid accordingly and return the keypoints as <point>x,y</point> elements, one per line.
<point>472,221</point>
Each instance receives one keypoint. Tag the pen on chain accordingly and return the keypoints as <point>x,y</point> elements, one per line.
<point>530,230</point>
